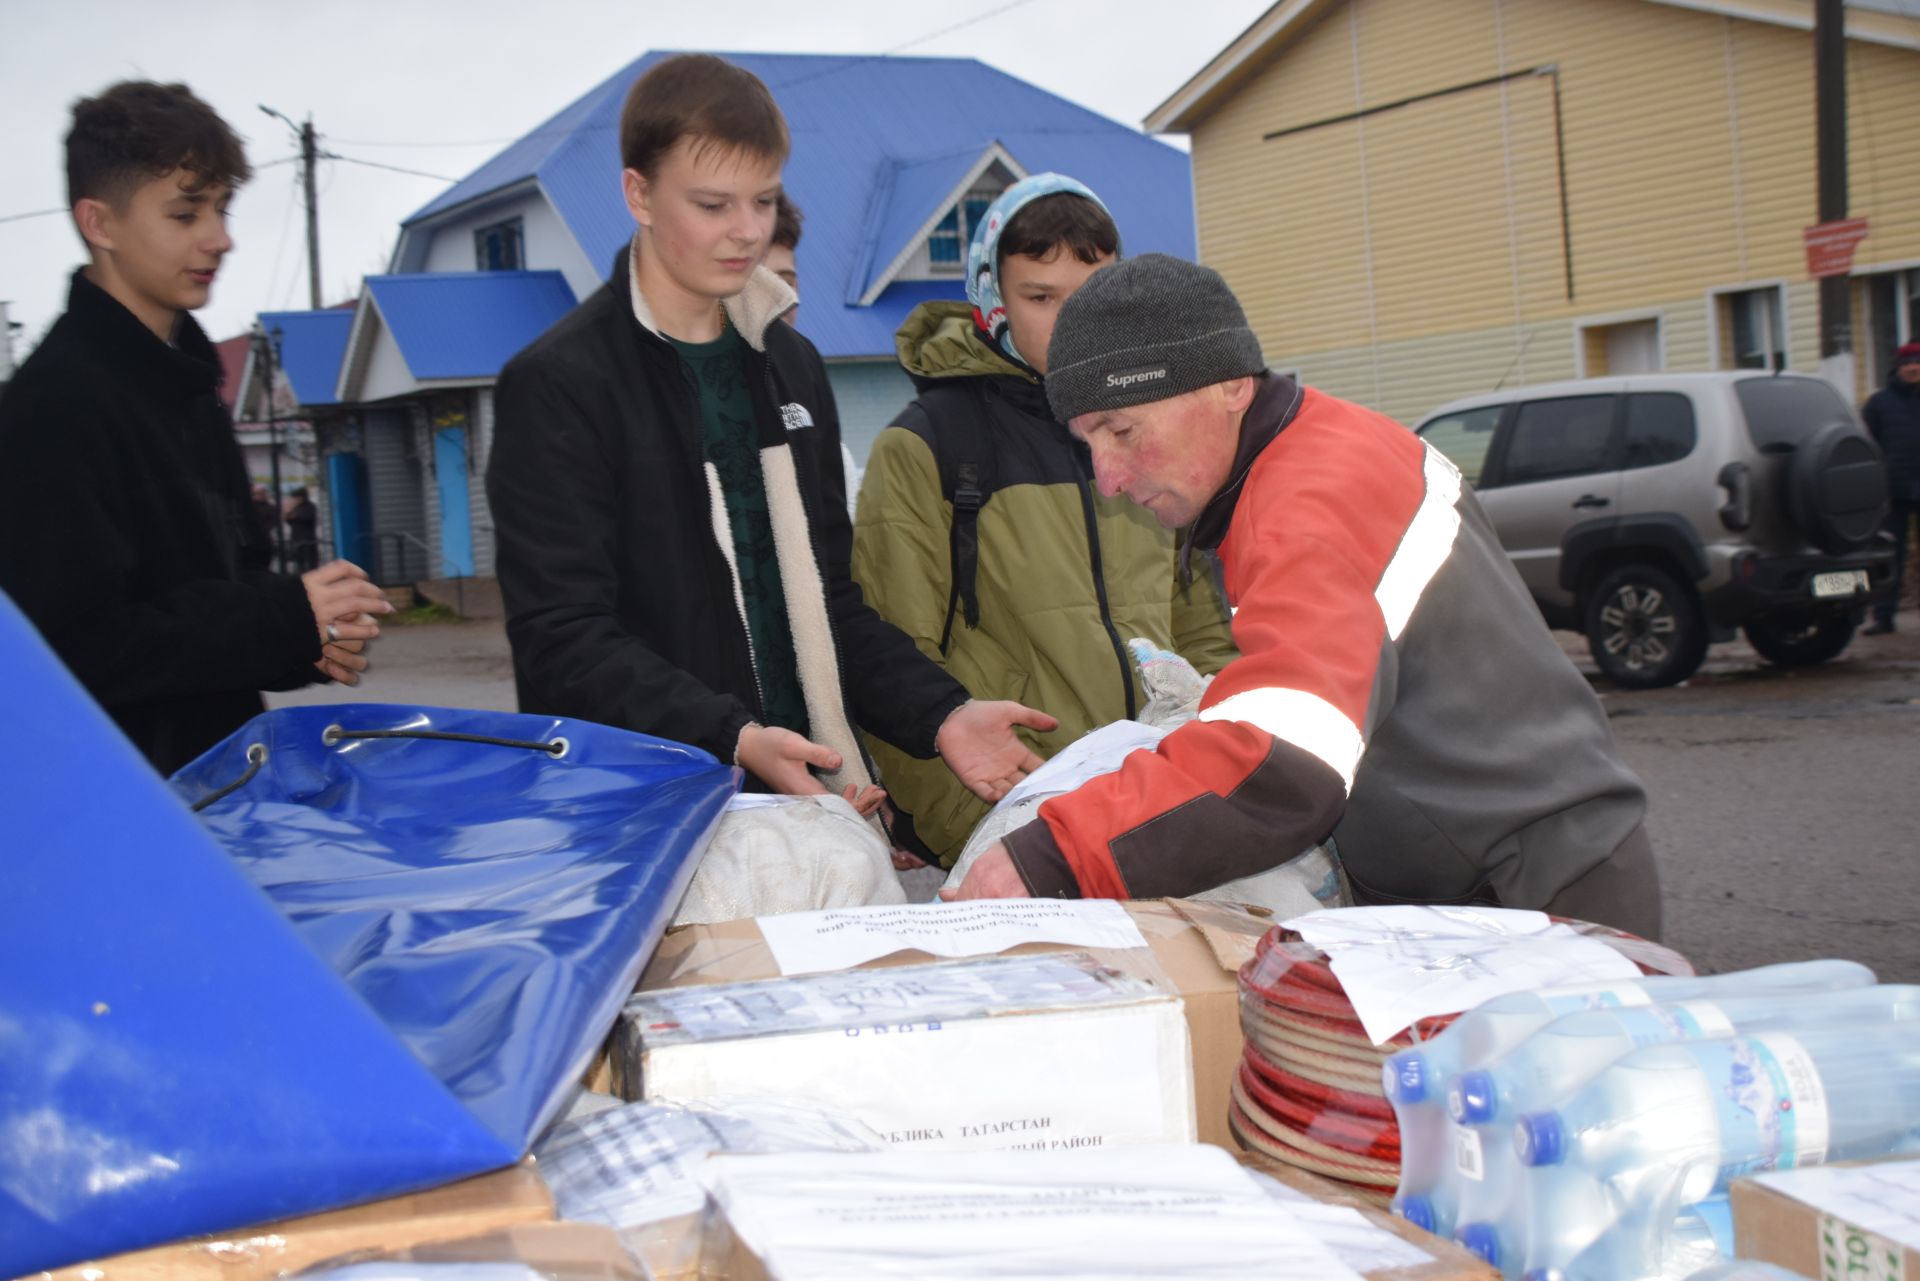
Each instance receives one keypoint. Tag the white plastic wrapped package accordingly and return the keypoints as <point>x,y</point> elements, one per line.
<point>773,854</point>
<point>1307,882</point>
<point>637,1168</point>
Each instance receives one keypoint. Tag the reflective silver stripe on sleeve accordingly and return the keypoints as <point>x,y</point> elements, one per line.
<point>1425,545</point>
<point>1305,720</point>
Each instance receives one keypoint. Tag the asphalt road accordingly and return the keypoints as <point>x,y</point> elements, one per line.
<point>1785,805</point>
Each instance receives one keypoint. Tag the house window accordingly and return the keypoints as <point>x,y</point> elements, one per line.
<point>1630,345</point>
<point>947,243</point>
<point>1753,332</point>
<point>1893,318</point>
<point>499,247</point>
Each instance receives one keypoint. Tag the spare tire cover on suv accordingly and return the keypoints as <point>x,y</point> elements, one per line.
<point>1837,488</point>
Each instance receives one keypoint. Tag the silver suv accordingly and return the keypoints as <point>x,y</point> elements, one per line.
<point>1659,512</point>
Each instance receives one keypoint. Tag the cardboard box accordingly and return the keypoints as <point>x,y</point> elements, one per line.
<point>1057,1050</point>
<point>556,1251</point>
<point>1447,1260</point>
<point>1196,951</point>
<point>498,1200</point>
<point>1848,1222</point>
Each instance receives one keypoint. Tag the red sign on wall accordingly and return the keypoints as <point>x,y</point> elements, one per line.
<point>1830,246</point>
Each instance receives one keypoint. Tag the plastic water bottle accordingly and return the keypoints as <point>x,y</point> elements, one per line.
<point>1672,1125</point>
<point>1555,1061</point>
<point>1414,1081</point>
<point>1697,1238</point>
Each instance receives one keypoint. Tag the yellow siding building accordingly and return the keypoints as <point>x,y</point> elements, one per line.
<point>1423,199</point>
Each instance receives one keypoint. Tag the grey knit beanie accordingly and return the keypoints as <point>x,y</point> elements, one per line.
<point>1150,328</point>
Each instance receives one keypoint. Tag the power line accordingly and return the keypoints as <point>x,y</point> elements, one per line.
<point>36,213</point>
<point>375,164</point>
<point>471,142</point>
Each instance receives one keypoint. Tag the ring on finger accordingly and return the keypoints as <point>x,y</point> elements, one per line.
<point>333,632</point>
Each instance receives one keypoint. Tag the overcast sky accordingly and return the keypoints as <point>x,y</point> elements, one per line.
<point>440,85</point>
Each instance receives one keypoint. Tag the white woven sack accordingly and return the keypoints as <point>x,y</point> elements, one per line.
<point>773,854</point>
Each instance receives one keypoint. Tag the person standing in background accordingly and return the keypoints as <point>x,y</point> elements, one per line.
<point>1892,414</point>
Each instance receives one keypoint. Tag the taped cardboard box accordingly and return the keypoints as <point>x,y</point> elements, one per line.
<point>1430,1258</point>
<point>498,1200</point>
<point>554,1251</point>
<point>1196,951</point>
<point>1056,1050</point>
<point>1851,1222</point>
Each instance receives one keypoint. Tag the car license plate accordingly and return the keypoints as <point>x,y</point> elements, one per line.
<point>1842,583</point>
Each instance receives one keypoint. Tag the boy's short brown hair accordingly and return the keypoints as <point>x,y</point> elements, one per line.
<point>1061,219</point>
<point>699,96</point>
<point>136,131</point>
<point>786,223</point>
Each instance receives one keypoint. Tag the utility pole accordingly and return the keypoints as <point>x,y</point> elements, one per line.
<point>265,351</point>
<point>1830,133</point>
<point>309,158</point>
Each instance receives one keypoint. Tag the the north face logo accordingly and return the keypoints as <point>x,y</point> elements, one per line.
<point>794,416</point>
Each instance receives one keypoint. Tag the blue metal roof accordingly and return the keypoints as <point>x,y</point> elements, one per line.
<point>873,138</point>
<point>467,324</point>
<point>311,346</point>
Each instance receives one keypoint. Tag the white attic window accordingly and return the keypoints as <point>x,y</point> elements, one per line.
<point>938,251</point>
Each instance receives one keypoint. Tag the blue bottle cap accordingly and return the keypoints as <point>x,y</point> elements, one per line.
<point>1416,1210</point>
<point>1540,1139</point>
<point>1405,1077</point>
<point>1471,1100</point>
<point>1482,1240</point>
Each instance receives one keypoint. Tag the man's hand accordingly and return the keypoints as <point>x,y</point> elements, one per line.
<point>344,602</point>
<point>978,744</point>
<point>779,758</point>
<point>991,876</point>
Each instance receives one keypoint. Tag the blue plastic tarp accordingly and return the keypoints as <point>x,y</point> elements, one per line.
<point>377,966</point>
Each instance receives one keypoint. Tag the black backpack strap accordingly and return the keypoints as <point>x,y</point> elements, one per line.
<point>964,482</point>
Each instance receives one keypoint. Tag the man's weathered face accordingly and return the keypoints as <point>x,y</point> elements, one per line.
<point>1909,371</point>
<point>1169,456</point>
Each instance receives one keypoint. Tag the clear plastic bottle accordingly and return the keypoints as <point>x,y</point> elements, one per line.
<point>1555,1061</point>
<point>1669,1126</point>
<point>1414,1081</point>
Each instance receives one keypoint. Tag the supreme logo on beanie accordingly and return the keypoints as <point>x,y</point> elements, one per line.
<point>1149,328</point>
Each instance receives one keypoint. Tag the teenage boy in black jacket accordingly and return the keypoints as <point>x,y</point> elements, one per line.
<point>670,511</point>
<point>127,531</point>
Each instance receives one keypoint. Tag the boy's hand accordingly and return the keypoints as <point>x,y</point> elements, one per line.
<point>344,603</point>
<point>779,758</point>
<point>978,744</point>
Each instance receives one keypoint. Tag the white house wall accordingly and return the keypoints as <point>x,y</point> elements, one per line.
<point>387,373</point>
<point>545,240</point>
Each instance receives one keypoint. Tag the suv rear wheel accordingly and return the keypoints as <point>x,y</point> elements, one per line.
<point>1800,638</point>
<point>1644,628</point>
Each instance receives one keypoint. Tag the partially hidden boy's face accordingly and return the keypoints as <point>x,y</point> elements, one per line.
<point>709,215</point>
<point>1032,290</point>
<point>159,253</point>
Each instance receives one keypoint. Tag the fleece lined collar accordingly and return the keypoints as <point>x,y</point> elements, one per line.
<point>764,300</point>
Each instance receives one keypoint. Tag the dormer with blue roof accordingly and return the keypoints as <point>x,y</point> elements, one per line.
<point>893,160</point>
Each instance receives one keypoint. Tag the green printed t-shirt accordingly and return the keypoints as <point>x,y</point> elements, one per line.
<point>731,445</point>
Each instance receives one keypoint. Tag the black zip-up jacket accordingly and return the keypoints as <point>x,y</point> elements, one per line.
<point>127,532</point>
<point>1892,414</point>
<point>614,555</point>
